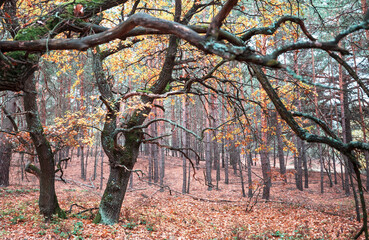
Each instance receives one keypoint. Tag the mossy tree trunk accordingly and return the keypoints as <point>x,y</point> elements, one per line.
<point>123,158</point>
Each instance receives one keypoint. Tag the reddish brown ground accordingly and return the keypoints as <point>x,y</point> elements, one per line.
<point>148,213</point>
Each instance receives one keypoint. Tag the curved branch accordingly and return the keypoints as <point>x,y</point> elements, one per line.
<point>327,46</point>
<point>118,130</point>
<point>138,19</point>
<point>362,26</point>
<point>150,95</point>
<point>216,22</point>
<point>273,28</point>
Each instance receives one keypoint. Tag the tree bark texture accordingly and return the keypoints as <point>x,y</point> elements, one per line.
<point>48,202</point>
<point>123,158</point>
<point>5,144</point>
<point>282,165</point>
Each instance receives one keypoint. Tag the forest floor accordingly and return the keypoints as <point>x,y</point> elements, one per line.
<point>148,213</point>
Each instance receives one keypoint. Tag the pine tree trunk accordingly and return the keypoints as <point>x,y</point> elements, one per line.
<point>305,165</point>
<point>155,156</point>
<point>86,162</point>
<point>321,161</point>
<point>298,167</point>
<point>162,158</point>
<point>184,144</point>
<point>208,162</point>
<point>101,168</point>
<point>282,166</point>
<point>265,167</point>
<point>334,166</point>
<point>249,174</point>
<point>226,163</point>
<point>95,162</point>
<point>241,178</point>
<point>83,176</point>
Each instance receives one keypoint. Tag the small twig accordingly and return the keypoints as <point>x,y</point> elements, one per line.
<point>85,209</point>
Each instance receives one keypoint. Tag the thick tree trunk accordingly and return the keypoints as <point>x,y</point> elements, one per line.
<point>123,158</point>
<point>265,167</point>
<point>48,202</point>
<point>5,144</point>
<point>233,156</point>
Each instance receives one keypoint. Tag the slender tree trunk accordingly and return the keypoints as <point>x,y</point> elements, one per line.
<point>95,162</point>
<point>175,133</point>
<point>282,166</point>
<point>188,178</point>
<point>298,168</point>
<point>156,158</point>
<point>184,144</point>
<point>208,151</point>
<point>5,144</point>
<point>249,174</point>
<point>226,164</point>
<point>208,162</point>
<point>329,170</point>
<point>101,168</point>
<point>162,159</point>
<point>321,161</point>
<point>216,153</point>
<point>264,158</point>
<point>83,176</point>
<point>334,166</point>
<point>22,165</point>
<point>304,162</point>
<point>241,178</point>
<point>86,162</point>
